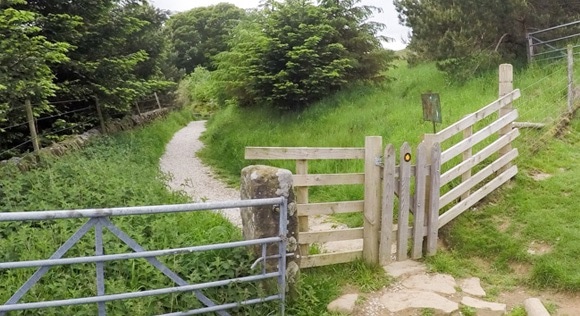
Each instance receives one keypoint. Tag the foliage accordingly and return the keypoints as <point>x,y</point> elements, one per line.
<point>26,58</point>
<point>54,52</point>
<point>469,37</point>
<point>199,34</point>
<point>198,89</point>
<point>292,53</point>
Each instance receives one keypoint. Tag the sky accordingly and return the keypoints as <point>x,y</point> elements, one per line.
<point>389,16</point>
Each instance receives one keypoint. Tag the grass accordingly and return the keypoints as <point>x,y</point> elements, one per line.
<point>491,242</point>
<point>123,170</point>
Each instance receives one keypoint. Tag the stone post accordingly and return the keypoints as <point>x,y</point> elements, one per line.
<point>260,182</point>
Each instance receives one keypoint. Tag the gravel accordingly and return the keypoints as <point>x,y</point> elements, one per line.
<point>187,173</point>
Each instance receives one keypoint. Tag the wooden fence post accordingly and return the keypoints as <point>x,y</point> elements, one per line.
<point>372,204</point>
<point>429,140</point>
<point>137,106</point>
<point>530,48</point>
<point>570,79</point>
<point>466,155</point>
<point>506,86</point>
<point>404,202</point>
<point>32,125</point>
<point>388,202</point>
<point>433,196</point>
<point>420,186</point>
<point>302,198</point>
<point>157,99</point>
<point>100,114</point>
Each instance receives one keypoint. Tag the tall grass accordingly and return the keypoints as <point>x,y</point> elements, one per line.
<point>393,111</point>
<point>122,170</point>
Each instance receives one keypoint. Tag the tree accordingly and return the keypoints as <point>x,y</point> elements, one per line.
<point>78,50</point>
<point>200,34</point>
<point>467,37</point>
<point>293,53</point>
<point>26,58</point>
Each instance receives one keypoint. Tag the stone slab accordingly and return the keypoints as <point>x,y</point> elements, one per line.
<point>534,307</point>
<point>344,304</point>
<point>412,299</point>
<point>399,269</point>
<point>484,308</point>
<point>472,286</point>
<point>440,283</point>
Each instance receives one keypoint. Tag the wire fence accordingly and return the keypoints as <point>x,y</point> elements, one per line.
<point>60,122</point>
<point>544,102</point>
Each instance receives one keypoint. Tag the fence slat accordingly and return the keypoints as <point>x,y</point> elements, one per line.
<point>330,235</point>
<point>478,136</point>
<point>475,117</point>
<point>329,258</point>
<point>477,178</point>
<point>479,157</point>
<point>419,218</point>
<point>303,153</point>
<point>328,179</point>
<point>302,198</point>
<point>433,211</point>
<point>404,202</point>
<point>460,207</point>
<point>372,207</point>
<point>330,208</point>
<point>387,206</point>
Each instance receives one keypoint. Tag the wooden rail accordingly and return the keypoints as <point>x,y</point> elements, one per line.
<point>303,180</point>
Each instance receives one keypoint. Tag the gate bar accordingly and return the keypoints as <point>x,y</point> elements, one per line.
<point>135,210</point>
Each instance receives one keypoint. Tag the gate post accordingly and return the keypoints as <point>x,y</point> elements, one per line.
<point>260,182</point>
<point>506,86</point>
<point>372,203</point>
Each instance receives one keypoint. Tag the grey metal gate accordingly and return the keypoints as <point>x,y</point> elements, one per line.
<point>99,219</point>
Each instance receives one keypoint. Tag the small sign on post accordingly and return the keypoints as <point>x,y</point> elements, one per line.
<point>431,108</point>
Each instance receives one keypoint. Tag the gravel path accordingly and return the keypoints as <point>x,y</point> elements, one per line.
<point>187,173</point>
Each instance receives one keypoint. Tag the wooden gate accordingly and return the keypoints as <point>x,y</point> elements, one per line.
<point>400,201</point>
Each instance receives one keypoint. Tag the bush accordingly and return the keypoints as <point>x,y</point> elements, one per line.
<point>198,89</point>
<point>293,53</point>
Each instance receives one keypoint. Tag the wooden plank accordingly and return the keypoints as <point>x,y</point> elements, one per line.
<point>387,207</point>
<point>419,207</point>
<point>303,153</point>
<point>468,132</point>
<point>433,194</point>
<point>479,177</point>
<point>32,125</point>
<point>331,235</point>
<point>479,136</point>
<point>404,202</point>
<point>372,207</point>
<point>330,208</point>
<point>479,157</point>
<point>506,86</point>
<point>477,196</point>
<point>302,198</point>
<point>328,179</point>
<point>475,117</point>
<point>329,258</point>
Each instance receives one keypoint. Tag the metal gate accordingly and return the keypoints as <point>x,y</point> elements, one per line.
<point>99,219</point>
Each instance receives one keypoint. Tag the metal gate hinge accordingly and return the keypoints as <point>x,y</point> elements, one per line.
<point>379,161</point>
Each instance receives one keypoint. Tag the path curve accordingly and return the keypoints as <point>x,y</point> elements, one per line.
<point>187,173</point>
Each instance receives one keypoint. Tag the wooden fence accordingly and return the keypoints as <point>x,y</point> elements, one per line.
<point>459,198</point>
<point>412,192</point>
<point>414,220</point>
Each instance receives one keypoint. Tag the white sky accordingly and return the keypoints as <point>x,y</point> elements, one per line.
<point>388,17</point>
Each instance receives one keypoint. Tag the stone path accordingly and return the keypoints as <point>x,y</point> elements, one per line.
<point>415,291</point>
